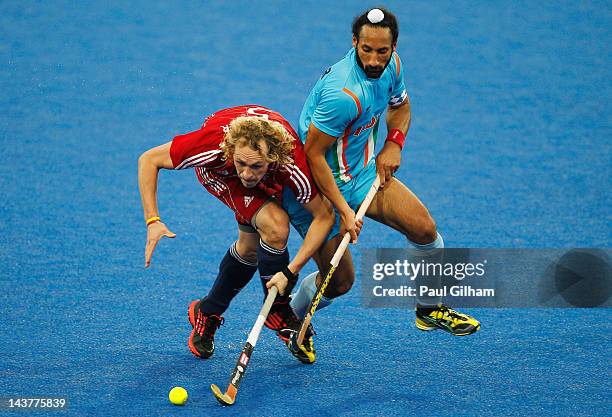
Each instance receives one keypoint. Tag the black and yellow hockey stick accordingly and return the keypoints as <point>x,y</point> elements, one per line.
<point>297,338</point>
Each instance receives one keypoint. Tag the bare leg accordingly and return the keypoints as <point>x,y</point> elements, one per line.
<point>396,206</point>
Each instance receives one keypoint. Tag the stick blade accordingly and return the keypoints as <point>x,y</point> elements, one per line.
<point>224,399</point>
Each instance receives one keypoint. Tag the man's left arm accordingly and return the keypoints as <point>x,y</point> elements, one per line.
<point>398,123</point>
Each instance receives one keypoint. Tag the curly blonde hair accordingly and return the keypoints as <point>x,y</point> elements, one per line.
<point>250,130</point>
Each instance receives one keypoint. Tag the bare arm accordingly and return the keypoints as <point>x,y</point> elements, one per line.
<point>389,158</point>
<point>317,144</point>
<point>323,218</point>
<point>322,222</point>
<point>149,165</point>
<point>399,117</point>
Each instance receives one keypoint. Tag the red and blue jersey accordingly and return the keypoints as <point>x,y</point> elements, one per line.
<point>201,151</point>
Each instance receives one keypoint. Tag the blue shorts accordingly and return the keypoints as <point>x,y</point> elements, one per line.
<point>354,193</point>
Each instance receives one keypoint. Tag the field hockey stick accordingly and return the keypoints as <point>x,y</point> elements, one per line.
<point>229,396</point>
<point>297,338</point>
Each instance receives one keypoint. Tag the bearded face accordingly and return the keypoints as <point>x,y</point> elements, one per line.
<point>374,50</point>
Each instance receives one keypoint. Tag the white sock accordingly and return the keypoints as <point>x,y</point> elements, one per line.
<point>430,252</point>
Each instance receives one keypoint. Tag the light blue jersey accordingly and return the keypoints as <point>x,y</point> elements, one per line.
<point>346,104</point>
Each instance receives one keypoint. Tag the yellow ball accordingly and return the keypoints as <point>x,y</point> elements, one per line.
<point>178,395</point>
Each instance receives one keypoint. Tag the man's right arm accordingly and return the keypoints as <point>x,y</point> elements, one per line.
<point>149,165</point>
<point>317,143</point>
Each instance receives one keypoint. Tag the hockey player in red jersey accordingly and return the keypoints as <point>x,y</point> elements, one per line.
<point>250,158</point>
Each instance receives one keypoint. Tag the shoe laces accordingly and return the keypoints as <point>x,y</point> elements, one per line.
<point>447,312</point>
<point>208,325</point>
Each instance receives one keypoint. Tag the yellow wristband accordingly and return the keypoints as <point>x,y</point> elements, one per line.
<point>153,220</point>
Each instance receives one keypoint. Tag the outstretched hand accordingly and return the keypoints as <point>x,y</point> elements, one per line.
<point>155,231</point>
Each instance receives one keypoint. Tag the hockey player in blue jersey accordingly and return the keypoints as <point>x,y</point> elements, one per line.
<point>339,126</point>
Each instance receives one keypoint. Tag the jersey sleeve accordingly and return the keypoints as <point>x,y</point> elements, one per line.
<point>194,149</point>
<point>299,178</point>
<point>398,93</point>
<point>334,112</point>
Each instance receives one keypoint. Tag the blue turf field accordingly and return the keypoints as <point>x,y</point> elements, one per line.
<point>510,146</point>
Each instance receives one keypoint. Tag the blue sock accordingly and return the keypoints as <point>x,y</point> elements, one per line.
<point>301,298</point>
<point>234,273</point>
<point>271,261</point>
<point>431,253</point>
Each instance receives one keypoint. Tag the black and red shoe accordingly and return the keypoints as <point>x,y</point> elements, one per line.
<point>284,322</point>
<point>202,338</point>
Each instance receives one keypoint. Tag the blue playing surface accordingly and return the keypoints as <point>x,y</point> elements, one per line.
<point>510,146</point>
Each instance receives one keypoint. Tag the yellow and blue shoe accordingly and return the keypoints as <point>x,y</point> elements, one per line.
<point>445,318</point>
<point>305,352</point>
